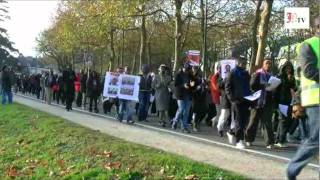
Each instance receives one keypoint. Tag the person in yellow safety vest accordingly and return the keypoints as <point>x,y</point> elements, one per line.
<point>309,58</point>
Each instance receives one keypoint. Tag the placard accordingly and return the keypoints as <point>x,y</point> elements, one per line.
<point>226,66</point>
<point>121,86</point>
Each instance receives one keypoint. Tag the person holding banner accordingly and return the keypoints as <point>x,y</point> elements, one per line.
<point>237,87</point>
<point>162,95</point>
<point>124,105</point>
<point>144,93</point>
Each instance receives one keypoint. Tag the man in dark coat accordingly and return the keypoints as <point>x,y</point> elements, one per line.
<point>183,85</point>
<point>68,77</point>
<point>93,90</point>
<point>237,87</point>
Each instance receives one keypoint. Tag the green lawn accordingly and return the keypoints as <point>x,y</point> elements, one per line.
<point>36,145</point>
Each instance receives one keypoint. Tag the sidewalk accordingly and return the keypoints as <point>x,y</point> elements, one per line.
<point>248,162</point>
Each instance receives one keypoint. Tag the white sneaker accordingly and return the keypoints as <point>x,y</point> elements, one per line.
<point>269,147</point>
<point>231,138</point>
<point>248,144</point>
<point>240,145</point>
<point>281,145</point>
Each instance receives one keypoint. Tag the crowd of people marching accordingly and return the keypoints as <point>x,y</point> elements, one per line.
<point>186,99</point>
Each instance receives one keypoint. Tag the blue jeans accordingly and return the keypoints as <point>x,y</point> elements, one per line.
<point>144,101</point>
<point>124,108</point>
<point>309,148</point>
<point>5,94</point>
<point>183,111</point>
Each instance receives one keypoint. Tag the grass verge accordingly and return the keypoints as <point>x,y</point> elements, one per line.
<point>36,145</point>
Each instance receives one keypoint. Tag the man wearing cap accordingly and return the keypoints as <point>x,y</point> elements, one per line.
<point>309,57</point>
<point>183,85</point>
<point>236,88</point>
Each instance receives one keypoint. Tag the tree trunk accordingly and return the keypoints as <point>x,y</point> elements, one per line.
<point>112,57</point>
<point>263,31</point>
<point>143,36</point>
<point>254,43</point>
<point>122,49</point>
<point>149,51</point>
<point>134,63</point>
<point>178,33</point>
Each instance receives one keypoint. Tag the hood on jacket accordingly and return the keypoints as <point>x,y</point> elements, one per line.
<point>283,68</point>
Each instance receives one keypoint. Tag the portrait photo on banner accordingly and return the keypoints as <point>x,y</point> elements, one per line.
<point>226,66</point>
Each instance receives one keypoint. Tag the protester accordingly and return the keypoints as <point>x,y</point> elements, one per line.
<point>37,86</point>
<point>83,88</point>
<point>49,82</point>
<point>183,84</point>
<point>93,90</point>
<point>162,95</point>
<point>285,93</point>
<point>215,93</point>
<point>144,93</point>
<point>225,107</point>
<point>125,106</point>
<point>263,108</point>
<point>199,98</point>
<point>310,64</point>
<point>61,89</point>
<point>77,88</point>
<point>42,86</point>
<point>68,77</point>
<point>6,85</point>
<point>237,87</point>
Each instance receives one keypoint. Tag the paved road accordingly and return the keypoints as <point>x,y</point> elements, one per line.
<point>254,162</point>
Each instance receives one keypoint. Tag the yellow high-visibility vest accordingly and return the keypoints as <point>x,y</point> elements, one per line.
<point>310,88</point>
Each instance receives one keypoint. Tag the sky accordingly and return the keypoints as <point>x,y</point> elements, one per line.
<point>27,19</point>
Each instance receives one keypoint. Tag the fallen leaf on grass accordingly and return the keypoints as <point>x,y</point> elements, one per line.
<point>12,172</point>
<point>107,153</point>
<point>162,170</point>
<point>60,163</point>
<point>191,177</point>
<point>28,170</point>
<point>64,172</point>
<point>51,173</point>
<point>170,177</point>
<point>115,165</point>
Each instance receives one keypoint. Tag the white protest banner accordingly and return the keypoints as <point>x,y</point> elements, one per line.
<point>122,86</point>
<point>226,66</point>
<point>111,85</point>
<point>254,96</point>
<point>129,87</point>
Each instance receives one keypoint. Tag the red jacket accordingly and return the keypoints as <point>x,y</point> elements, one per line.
<point>214,89</point>
<point>77,83</point>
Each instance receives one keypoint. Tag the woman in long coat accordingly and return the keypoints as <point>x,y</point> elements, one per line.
<point>162,96</point>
